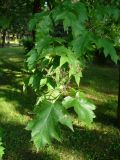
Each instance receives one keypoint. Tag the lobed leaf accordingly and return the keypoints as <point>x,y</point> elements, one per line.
<point>44,126</point>
<point>82,107</point>
<point>82,43</point>
<point>35,19</point>
<point>108,49</point>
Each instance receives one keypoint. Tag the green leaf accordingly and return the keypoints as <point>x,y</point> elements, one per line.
<point>63,60</point>
<point>67,16</point>
<point>103,12</point>
<point>54,51</point>
<point>74,67</point>
<point>116,13</point>
<point>44,126</point>
<point>36,18</point>
<point>77,29</point>
<point>32,59</point>
<point>82,107</point>
<point>43,43</point>
<point>43,28</point>
<point>82,43</point>
<point>51,83</point>
<point>68,102</point>
<point>34,80</point>
<point>109,49</point>
<point>77,78</point>
<point>73,15</point>
<point>43,81</point>
<point>81,11</point>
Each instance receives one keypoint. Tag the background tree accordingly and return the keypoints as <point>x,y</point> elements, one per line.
<point>14,17</point>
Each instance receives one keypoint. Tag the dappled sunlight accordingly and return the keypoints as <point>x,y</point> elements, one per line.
<point>59,80</point>
<point>101,79</point>
<point>101,140</point>
<point>106,106</point>
<point>9,112</point>
<point>23,103</point>
<point>97,96</point>
<point>9,51</point>
<point>18,145</point>
<point>15,59</point>
<point>91,142</point>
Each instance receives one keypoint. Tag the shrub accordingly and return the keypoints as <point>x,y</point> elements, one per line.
<point>28,44</point>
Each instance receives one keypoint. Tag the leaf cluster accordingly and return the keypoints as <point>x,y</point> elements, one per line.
<point>54,62</point>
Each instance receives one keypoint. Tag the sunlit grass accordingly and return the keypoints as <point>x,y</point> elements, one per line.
<point>100,142</point>
<point>10,114</point>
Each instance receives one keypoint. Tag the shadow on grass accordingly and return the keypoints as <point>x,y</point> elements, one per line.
<point>106,113</point>
<point>94,144</point>
<point>24,101</point>
<point>13,66</point>
<point>11,76</point>
<point>17,145</point>
<point>16,139</point>
<point>101,78</point>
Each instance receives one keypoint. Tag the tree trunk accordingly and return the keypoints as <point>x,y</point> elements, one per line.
<point>36,9</point>
<point>36,6</point>
<point>3,38</point>
<point>118,109</point>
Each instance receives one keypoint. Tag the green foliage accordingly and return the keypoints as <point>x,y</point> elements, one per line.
<point>55,61</point>
<point>35,19</point>
<point>27,43</point>
<point>1,147</point>
<point>82,107</point>
<point>14,15</point>
<point>83,43</point>
<point>73,15</point>
<point>108,49</point>
<point>15,107</point>
<point>104,12</point>
<point>4,22</point>
<point>45,125</point>
<point>32,59</point>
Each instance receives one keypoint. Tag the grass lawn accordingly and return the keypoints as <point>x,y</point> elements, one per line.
<point>101,142</point>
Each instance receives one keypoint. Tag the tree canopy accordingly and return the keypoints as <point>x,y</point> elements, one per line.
<point>66,33</point>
